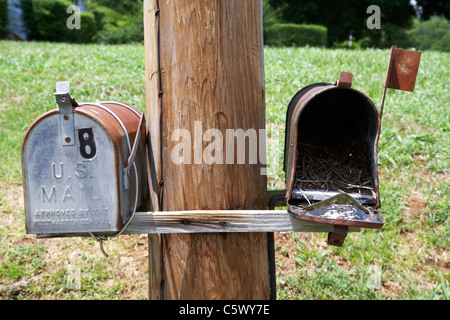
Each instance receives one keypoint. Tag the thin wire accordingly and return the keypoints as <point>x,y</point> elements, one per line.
<point>101,239</point>
<point>160,95</point>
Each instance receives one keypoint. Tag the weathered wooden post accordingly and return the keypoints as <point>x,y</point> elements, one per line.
<point>204,70</point>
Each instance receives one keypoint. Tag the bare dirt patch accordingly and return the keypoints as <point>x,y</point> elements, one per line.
<point>284,254</point>
<point>416,205</point>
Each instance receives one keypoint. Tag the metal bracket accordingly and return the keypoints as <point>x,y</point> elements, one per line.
<point>66,121</point>
<point>337,236</point>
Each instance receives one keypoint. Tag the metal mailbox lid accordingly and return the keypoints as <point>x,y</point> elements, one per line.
<point>77,188</point>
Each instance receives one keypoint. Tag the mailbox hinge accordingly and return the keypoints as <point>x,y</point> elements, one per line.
<point>66,104</point>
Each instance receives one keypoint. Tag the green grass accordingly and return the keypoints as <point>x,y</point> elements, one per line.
<point>29,72</point>
<point>414,158</point>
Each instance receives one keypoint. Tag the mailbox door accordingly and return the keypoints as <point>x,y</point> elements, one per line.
<point>71,188</point>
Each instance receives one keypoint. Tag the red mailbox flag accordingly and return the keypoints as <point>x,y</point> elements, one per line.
<point>401,75</point>
<point>401,72</point>
<point>402,69</point>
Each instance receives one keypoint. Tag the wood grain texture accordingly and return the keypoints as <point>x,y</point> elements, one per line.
<point>153,112</point>
<point>215,221</point>
<point>222,221</point>
<point>153,115</point>
<point>155,268</point>
<point>212,71</point>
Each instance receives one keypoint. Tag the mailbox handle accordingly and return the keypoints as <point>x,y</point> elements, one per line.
<point>136,142</point>
<point>130,161</point>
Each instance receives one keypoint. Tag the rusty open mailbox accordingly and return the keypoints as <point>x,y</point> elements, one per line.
<point>331,157</point>
<point>83,167</point>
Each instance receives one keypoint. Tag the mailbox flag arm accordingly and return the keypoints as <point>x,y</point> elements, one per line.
<point>401,74</point>
<point>402,71</point>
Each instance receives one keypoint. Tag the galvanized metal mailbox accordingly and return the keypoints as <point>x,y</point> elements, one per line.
<point>83,167</point>
<point>331,157</point>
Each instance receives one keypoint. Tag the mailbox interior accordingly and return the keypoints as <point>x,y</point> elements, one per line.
<point>336,143</point>
<point>332,150</point>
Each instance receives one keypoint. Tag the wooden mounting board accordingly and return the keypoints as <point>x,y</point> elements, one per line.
<point>214,221</point>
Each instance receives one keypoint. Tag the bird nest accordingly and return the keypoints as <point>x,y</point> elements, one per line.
<point>341,167</point>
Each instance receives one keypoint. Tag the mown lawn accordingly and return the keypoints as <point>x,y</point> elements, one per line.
<point>407,259</point>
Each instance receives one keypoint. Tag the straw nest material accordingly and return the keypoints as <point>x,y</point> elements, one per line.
<point>342,167</point>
